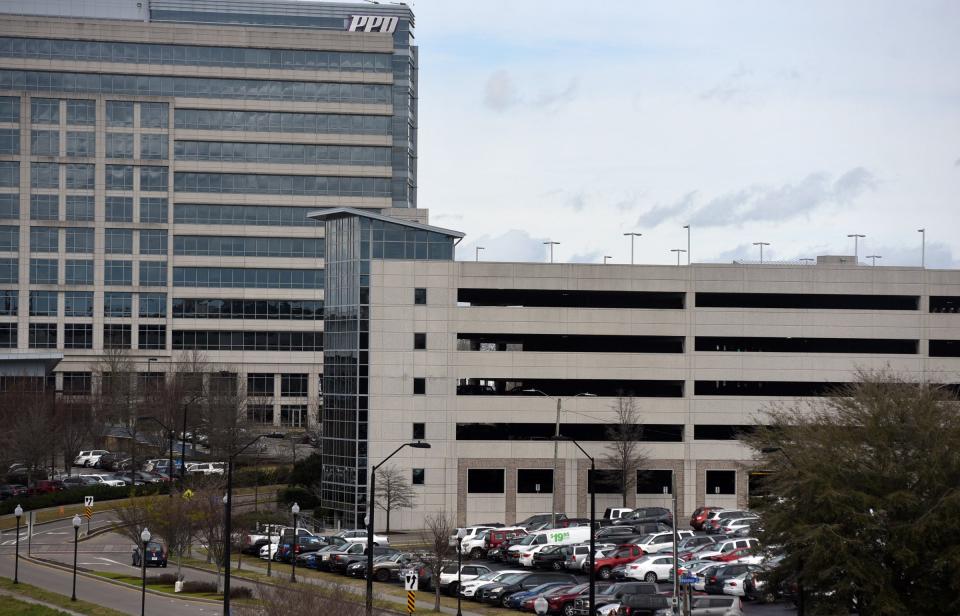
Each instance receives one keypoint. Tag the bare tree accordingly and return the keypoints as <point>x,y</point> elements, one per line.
<point>439,528</point>
<point>134,515</point>
<point>208,512</point>
<point>393,491</point>
<point>223,415</point>
<point>624,452</point>
<point>173,520</point>
<point>74,424</point>
<point>30,426</point>
<point>116,400</point>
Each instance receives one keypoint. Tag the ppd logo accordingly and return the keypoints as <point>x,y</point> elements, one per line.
<point>372,23</point>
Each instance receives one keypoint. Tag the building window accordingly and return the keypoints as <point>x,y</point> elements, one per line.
<point>117,304</point>
<point>485,481</point>
<point>78,336</point>
<point>118,241</point>
<point>44,271</point>
<point>293,385</point>
<point>227,246</point>
<point>81,113</point>
<point>44,111</point>
<point>44,175</point>
<point>9,238</point>
<point>259,215</point>
<point>44,239</point>
<point>79,240</point>
<point>44,207</point>
<point>9,203</point>
<point>78,271</point>
<point>419,385</point>
<point>153,273</point>
<point>43,303</point>
<point>8,335</point>
<point>118,209</point>
<point>81,144</point>
<point>80,207</point>
<point>81,177</point>
<point>417,477</point>
<point>535,481</point>
<point>293,415</point>
<point>10,109</point>
<point>260,384</point>
<point>9,174</point>
<point>43,335</point>
<point>9,270</point>
<point>153,242</point>
<point>119,177</point>
<point>116,336</point>
<point>249,278</point>
<point>153,179</point>
<point>45,143</point>
<point>77,383</point>
<point>420,296</point>
<point>420,341</point>
<point>260,413</point>
<point>9,141</point>
<point>286,310</point>
<point>155,115</point>
<point>118,273</point>
<point>721,482</point>
<point>153,147</point>
<point>9,303</point>
<point>153,209</point>
<point>152,337</point>
<point>119,113</point>
<point>119,145</point>
<point>654,481</point>
<point>226,340</point>
<point>419,431</point>
<point>78,303</point>
<point>153,305</point>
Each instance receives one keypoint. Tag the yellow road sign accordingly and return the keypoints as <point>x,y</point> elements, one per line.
<point>411,601</point>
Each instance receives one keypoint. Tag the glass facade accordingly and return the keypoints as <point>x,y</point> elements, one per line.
<point>241,246</point>
<point>274,309</point>
<point>281,122</point>
<point>262,184</point>
<point>283,153</point>
<point>217,340</point>
<point>238,277</point>
<point>258,215</point>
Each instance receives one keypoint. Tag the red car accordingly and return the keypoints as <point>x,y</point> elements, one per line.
<point>732,555</point>
<point>699,516</point>
<point>45,487</point>
<point>560,601</point>
<point>623,554</point>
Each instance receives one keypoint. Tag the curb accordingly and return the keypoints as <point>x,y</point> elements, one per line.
<point>54,565</point>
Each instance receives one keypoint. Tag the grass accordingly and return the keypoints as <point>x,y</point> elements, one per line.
<point>135,580</point>
<point>12,607</point>
<point>26,590</point>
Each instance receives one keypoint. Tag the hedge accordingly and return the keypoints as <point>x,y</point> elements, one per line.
<point>302,496</point>
<point>249,477</point>
<point>75,496</point>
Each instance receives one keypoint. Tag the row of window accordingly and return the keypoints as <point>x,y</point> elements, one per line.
<point>82,208</point>
<point>84,112</point>
<point>291,385</point>
<point>80,272</point>
<point>118,145</point>
<point>80,336</point>
<point>249,278</point>
<point>193,55</point>
<point>81,240</point>
<point>600,481</point>
<point>80,176</point>
<point>80,304</point>
<point>262,184</point>
<point>291,415</point>
<point>240,246</point>
<point>277,309</point>
<point>202,340</point>
<point>281,122</point>
<point>262,215</point>
<point>289,153</point>
<point>195,87</point>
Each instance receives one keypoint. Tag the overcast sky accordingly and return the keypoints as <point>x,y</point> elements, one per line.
<point>791,123</point>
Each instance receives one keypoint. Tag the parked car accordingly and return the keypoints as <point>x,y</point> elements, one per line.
<point>539,519</point>
<point>357,566</point>
<point>388,567</point>
<point>552,557</point>
<point>339,562</point>
<point>699,516</point>
<point>496,594</point>
<point>45,486</point>
<point>662,541</point>
<point>646,514</point>
<point>728,545</point>
<point>156,555</point>
<point>611,533</point>
<point>360,536</point>
<point>469,589</point>
<point>206,468</point>
<point>714,523</point>
<point>714,582</point>
<point>561,600</point>
<point>687,543</point>
<point>449,579</point>
<point>346,549</point>
<point>89,457</point>
<point>650,568</point>
<point>622,555</point>
<point>730,526</point>
<point>108,480</point>
<point>466,533</point>
<point>613,593</point>
<point>644,605</point>
<point>77,481</point>
<point>11,490</point>
<point>579,554</point>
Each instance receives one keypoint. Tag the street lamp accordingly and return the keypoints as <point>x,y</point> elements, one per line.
<point>170,435</point>
<point>459,572</point>
<point>76,534</point>
<point>923,247</point>
<point>679,251</point>
<point>593,517</point>
<point>17,512</point>
<point>477,250</point>
<point>371,510</point>
<point>556,435</point>
<point>761,245</point>
<point>144,540</point>
<point>605,257</point>
<point>633,236</point>
<point>856,251</point>
<point>551,245</point>
<point>873,259</point>
<point>687,227</point>
<point>295,510</point>
<point>228,524</point>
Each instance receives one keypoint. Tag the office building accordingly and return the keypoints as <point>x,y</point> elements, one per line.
<point>157,162</point>
<point>472,358</point>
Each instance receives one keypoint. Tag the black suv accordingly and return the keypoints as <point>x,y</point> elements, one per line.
<point>713,582</point>
<point>497,593</point>
<point>646,514</point>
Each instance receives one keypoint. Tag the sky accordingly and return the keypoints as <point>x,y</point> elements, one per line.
<point>795,124</point>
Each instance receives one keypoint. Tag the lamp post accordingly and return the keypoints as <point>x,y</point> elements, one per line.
<point>144,540</point>
<point>687,227</point>
<point>556,436</point>
<point>873,259</point>
<point>679,251</point>
<point>633,236</point>
<point>228,525</point>
<point>761,245</point>
<point>459,572</point>
<point>551,245</point>
<point>605,257</point>
<point>17,512</point>
<point>477,250</point>
<point>76,534</point>
<point>170,436</point>
<point>295,510</point>
<point>593,517</point>
<point>923,247</point>
<point>856,246</point>
<point>270,546</point>
<point>371,510</point>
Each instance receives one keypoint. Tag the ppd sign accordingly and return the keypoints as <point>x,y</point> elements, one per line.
<point>372,23</point>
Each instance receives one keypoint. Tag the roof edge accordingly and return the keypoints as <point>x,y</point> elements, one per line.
<point>328,213</point>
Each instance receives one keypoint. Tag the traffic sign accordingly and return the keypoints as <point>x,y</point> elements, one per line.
<point>411,601</point>
<point>689,580</point>
<point>410,581</point>
<point>88,501</point>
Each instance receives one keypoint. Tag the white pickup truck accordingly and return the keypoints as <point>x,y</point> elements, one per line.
<point>256,540</point>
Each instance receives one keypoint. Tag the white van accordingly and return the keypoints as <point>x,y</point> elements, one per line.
<point>554,536</point>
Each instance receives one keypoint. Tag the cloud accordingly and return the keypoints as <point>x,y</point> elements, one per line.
<point>500,93</point>
<point>550,101</point>
<point>659,214</point>
<point>514,245</point>
<point>592,256</point>
<point>956,163</point>
<point>576,202</point>
<point>743,252</point>
<point>731,86</point>
<point>759,203</point>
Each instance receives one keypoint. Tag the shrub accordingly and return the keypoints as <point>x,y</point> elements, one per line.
<point>264,476</point>
<point>305,498</point>
<point>167,579</point>
<point>195,586</point>
<point>240,592</point>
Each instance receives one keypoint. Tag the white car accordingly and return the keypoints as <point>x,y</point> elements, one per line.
<point>735,524</point>
<point>526,555</point>
<point>661,541</point>
<point>360,536</point>
<point>468,533</point>
<point>578,559</point>
<point>610,609</point>
<point>206,468</point>
<point>722,547</point>
<point>650,568</point>
<point>469,589</point>
<point>89,458</point>
<point>448,576</point>
<point>108,480</point>
<point>268,550</point>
